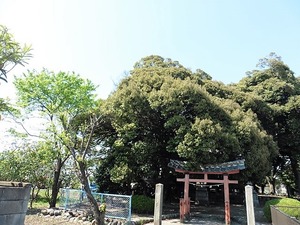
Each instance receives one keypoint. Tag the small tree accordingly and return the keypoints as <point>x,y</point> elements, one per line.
<point>81,142</point>
<point>57,97</point>
<point>69,104</point>
<point>30,162</point>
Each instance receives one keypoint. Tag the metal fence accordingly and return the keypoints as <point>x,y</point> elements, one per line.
<point>117,206</point>
<point>281,215</point>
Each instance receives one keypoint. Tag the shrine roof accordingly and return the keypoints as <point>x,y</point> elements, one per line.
<point>183,166</point>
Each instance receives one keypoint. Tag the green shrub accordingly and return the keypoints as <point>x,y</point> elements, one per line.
<point>282,202</point>
<point>142,204</point>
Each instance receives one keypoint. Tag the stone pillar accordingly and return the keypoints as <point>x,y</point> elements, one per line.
<point>249,205</point>
<point>158,204</point>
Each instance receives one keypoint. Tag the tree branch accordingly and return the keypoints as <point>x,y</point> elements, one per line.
<point>24,128</point>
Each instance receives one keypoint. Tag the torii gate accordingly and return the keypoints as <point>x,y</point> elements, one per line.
<point>223,169</point>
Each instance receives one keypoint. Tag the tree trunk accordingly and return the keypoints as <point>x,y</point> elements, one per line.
<point>273,182</point>
<point>296,171</point>
<point>56,183</point>
<point>288,189</point>
<point>263,189</point>
<point>34,195</point>
<point>99,216</point>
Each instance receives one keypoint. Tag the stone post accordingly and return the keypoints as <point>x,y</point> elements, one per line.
<point>249,205</point>
<point>158,204</point>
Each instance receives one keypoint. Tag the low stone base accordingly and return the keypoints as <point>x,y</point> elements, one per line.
<point>81,216</point>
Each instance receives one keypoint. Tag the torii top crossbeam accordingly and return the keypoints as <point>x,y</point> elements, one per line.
<point>224,169</point>
<point>221,168</point>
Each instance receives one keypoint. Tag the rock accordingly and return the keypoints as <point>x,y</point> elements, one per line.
<point>86,222</point>
<point>65,214</point>
<point>94,222</point>
<point>44,212</point>
<point>57,212</point>
<point>50,212</point>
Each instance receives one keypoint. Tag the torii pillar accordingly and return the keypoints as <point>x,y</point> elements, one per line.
<point>227,198</point>
<point>185,202</point>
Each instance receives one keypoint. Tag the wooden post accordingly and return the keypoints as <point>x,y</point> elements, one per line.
<point>158,204</point>
<point>226,199</point>
<point>186,198</point>
<point>249,205</point>
<point>186,187</point>
<point>185,202</point>
<point>181,208</point>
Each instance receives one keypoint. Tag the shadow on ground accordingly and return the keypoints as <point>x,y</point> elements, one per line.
<point>212,215</point>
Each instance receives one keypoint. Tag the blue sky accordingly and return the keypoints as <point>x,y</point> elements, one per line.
<point>101,40</point>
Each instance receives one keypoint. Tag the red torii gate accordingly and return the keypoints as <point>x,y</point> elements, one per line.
<point>224,169</point>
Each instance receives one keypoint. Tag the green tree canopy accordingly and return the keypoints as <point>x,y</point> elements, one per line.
<point>275,91</point>
<point>69,103</point>
<point>30,162</point>
<point>163,111</point>
<point>58,97</point>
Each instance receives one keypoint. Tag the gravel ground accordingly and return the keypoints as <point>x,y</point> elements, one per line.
<point>32,218</point>
<point>201,216</point>
<point>38,220</point>
<point>215,216</point>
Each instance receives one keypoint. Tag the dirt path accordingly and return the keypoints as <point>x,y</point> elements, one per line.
<point>39,220</point>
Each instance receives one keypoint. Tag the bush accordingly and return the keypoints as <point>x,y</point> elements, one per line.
<point>142,204</point>
<point>282,202</point>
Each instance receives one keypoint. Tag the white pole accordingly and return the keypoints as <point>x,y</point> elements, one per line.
<point>158,204</point>
<point>249,205</point>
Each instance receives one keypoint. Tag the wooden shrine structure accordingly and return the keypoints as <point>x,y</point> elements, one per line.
<point>223,169</point>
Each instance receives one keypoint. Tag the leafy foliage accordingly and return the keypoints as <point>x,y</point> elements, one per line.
<point>30,163</point>
<point>55,93</point>
<point>164,111</point>
<point>11,53</point>
<point>58,98</point>
<point>69,103</point>
<point>273,95</point>
<point>142,204</point>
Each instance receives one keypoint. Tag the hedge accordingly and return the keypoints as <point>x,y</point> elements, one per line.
<point>142,204</point>
<point>294,212</point>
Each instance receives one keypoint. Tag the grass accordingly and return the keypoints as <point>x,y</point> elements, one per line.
<point>41,203</point>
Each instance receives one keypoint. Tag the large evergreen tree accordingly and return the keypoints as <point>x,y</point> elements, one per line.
<point>163,111</point>
<point>275,100</point>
